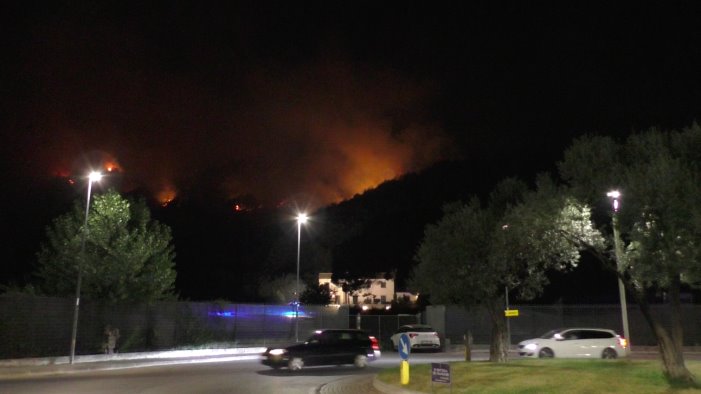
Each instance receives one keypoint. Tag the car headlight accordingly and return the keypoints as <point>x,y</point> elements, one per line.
<point>277,352</point>
<point>531,346</point>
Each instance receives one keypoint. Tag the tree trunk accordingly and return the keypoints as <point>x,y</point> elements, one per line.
<point>498,349</point>
<point>676,307</point>
<point>670,346</point>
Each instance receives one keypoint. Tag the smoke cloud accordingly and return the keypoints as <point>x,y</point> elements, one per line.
<point>170,120</point>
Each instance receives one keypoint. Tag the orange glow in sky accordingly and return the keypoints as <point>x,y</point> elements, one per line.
<point>370,165</point>
<point>321,138</point>
<point>166,195</point>
<point>112,165</point>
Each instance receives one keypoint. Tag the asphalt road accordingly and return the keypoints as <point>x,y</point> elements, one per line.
<point>228,376</point>
<point>241,376</point>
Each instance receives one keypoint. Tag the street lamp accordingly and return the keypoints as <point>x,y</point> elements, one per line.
<point>93,177</point>
<point>301,219</point>
<point>618,250</point>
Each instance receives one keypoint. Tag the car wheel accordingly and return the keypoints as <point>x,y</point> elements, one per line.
<point>609,354</point>
<point>361,361</point>
<point>295,364</point>
<point>546,353</point>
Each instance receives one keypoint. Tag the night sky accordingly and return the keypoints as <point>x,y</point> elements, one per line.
<point>309,103</point>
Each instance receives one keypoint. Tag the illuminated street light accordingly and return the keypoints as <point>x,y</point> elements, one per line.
<point>615,194</point>
<point>618,250</point>
<point>301,219</point>
<point>93,177</point>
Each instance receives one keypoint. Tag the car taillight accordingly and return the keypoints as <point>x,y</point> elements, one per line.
<point>413,335</point>
<point>375,343</point>
<point>623,342</point>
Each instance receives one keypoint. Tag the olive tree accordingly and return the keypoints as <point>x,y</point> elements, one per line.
<point>659,176</point>
<point>474,253</point>
<point>453,266</point>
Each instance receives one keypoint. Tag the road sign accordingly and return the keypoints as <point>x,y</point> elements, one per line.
<point>404,346</point>
<point>511,313</point>
<point>440,373</point>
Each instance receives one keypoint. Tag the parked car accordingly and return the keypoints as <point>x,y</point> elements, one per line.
<point>576,343</point>
<point>421,336</point>
<point>325,347</point>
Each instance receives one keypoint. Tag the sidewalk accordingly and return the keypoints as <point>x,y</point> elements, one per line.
<point>25,367</point>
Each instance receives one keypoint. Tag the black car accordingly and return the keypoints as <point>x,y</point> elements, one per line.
<point>325,347</point>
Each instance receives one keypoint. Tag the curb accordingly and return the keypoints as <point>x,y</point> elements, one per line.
<point>172,354</point>
<point>22,368</point>
<point>390,388</point>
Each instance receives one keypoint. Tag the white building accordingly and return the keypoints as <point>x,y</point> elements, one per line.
<point>378,294</point>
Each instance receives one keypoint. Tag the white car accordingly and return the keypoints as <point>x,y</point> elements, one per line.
<point>421,336</point>
<point>576,343</point>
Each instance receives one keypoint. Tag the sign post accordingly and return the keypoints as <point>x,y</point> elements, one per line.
<point>508,313</point>
<point>404,349</point>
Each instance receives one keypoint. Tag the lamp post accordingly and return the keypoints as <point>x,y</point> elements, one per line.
<point>93,177</point>
<point>301,219</point>
<point>618,250</point>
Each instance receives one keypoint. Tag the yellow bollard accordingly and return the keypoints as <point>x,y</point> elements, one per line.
<point>404,372</point>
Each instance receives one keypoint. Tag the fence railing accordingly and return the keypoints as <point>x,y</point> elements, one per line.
<point>383,326</point>
<point>534,320</point>
<point>41,326</point>
<point>33,326</point>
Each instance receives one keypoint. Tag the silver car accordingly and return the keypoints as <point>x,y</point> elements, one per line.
<point>576,343</point>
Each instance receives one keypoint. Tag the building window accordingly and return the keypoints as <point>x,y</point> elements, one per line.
<point>383,299</point>
<point>383,284</point>
<point>355,299</point>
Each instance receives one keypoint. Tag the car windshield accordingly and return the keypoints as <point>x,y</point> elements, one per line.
<point>421,329</point>
<point>316,338</point>
<point>549,334</point>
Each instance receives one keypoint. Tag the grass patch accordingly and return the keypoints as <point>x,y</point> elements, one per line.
<point>546,376</point>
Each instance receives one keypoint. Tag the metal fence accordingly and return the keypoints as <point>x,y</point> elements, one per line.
<point>453,322</point>
<point>41,326</point>
<point>33,326</point>
<point>383,326</point>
